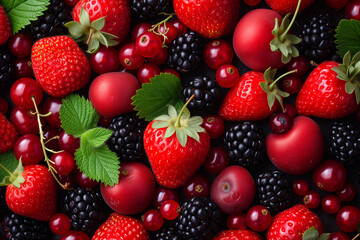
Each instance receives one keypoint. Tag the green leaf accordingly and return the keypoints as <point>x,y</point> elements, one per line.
<point>9,161</point>
<point>153,98</point>
<point>98,24</point>
<point>21,12</point>
<point>310,234</point>
<point>84,17</point>
<point>77,115</point>
<point>96,136</point>
<point>324,236</point>
<point>349,87</point>
<point>75,28</point>
<point>347,37</point>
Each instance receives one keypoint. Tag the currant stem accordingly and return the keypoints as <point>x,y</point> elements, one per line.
<point>282,36</point>
<point>282,76</point>
<point>158,25</point>
<point>177,123</point>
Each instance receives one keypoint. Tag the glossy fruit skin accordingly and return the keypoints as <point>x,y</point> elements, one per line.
<point>170,209</point>
<point>305,143</point>
<point>5,27</point>
<point>347,192</point>
<point>236,221</point>
<point>312,199</point>
<point>23,68</point>
<point>331,204</point>
<point>24,121</point>
<point>147,71</point>
<point>243,234</point>
<point>71,3</point>
<point>68,142</point>
<point>227,76</point>
<point>291,84</point>
<point>105,60</point>
<point>329,176</point>
<point>300,187</point>
<point>233,190</point>
<point>172,71</point>
<point>53,105</point>
<point>74,235</point>
<point>285,6</point>
<point>39,188</point>
<point>280,123</point>
<point>83,181</point>
<point>134,191</point>
<point>181,28</point>
<point>8,134</point>
<point>216,160</point>
<point>139,29</point>
<point>197,186</point>
<point>348,218</point>
<point>49,133</point>
<point>338,236</point>
<point>28,148</point>
<point>289,110</point>
<point>130,58</point>
<point>299,63</point>
<point>159,58</point>
<point>170,32</point>
<point>252,2</point>
<point>20,44</point>
<point>153,220</point>
<point>214,126</point>
<point>59,224</point>
<point>254,49</point>
<point>217,53</point>
<point>148,44</point>
<point>352,10</point>
<point>258,218</point>
<point>110,93</point>
<point>63,162</point>
<point>22,90</point>
<point>163,194</point>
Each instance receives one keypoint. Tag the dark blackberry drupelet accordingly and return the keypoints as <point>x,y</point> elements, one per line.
<point>127,138</point>
<point>274,191</point>
<point>185,52</point>
<point>199,219</point>
<point>6,69</point>
<point>85,208</point>
<point>318,38</point>
<point>345,142</point>
<point>206,91</point>
<point>167,234</point>
<point>21,228</point>
<point>245,144</point>
<point>149,9</point>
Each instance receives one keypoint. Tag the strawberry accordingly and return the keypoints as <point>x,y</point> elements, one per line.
<point>243,234</point>
<point>5,29</point>
<point>210,18</point>
<point>8,134</point>
<point>60,66</point>
<point>292,223</point>
<point>247,99</point>
<point>331,90</point>
<point>121,227</point>
<point>175,157</point>
<point>288,6</point>
<point>32,192</point>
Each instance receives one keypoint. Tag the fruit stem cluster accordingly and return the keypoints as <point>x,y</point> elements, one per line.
<point>158,26</point>
<point>177,123</point>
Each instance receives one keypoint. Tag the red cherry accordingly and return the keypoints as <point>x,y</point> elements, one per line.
<point>291,84</point>
<point>352,10</point>
<point>24,121</point>
<point>300,63</point>
<point>312,199</point>
<point>84,181</point>
<point>29,149</point>
<point>71,3</point>
<point>153,220</point>
<point>197,186</point>
<point>181,28</point>
<point>51,132</point>
<point>68,180</point>
<point>227,76</point>
<point>130,58</point>
<point>300,187</point>
<point>172,71</point>
<point>216,160</point>
<point>280,123</point>
<point>105,60</point>
<point>160,58</point>
<point>163,194</point>
<point>338,236</point>
<point>20,44</point>
<point>329,176</point>
<point>217,53</point>
<point>348,218</point>
<point>22,91</point>
<point>258,218</point>
<point>68,142</point>
<point>3,105</point>
<point>331,204</point>
<point>252,2</point>
<point>23,68</point>
<point>214,126</point>
<point>347,192</point>
<point>336,4</point>
<point>74,235</point>
<point>148,44</point>
<point>289,110</point>
<point>170,209</point>
<point>63,162</point>
<point>169,30</point>
<point>53,104</point>
<point>139,29</point>
<point>59,224</point>
<point>147,71</point>
<point>236,221</point>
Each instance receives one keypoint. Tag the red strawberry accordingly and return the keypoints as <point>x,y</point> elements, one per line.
<point>5,29</point>
<point>33,193</point>
<point>292,223</point>
<point>243,234</point>
<point>252,98</point>
<point>288,6</point>
<point>210,18</point>
<point>325,95</point>
<point>60,66</point>
<point>8,134</point>
<point>176,149</point>
<point>121,227</point>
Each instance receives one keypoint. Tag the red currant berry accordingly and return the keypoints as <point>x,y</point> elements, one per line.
<point>163,194</point>
<point>20,44</point>
<point>236,221</point>
<point>300,63</point>
<point>153,220</point>
<point>170,209</point>
<point>331,204</point>
<point>148,44</point>
<point>3,105</point>
<point>71,3</point>
<point>52,133</point>
<point>252,2</point>
<point>312,199</point>
<point>338,236</point>
<point>291,84</point>
<point>300,187</point>
<point>258,218</point>
<point>172,71</point>
<point>63,162</point>
<point>68,142</point>
<point>347,192</point>
<point>167,29</point>
<point>160,58</point>
<point>197,186</point>
<point>329,176</point>
<point>22,91</point>
<point>23,68</point>
<point>24,121</point>
<point>352,10</point>
<point>280,123</point>
<point>83,181</point>
<point>217,53</point>
<point>53,104</point>
<point>29,149</point>
<point>348,218</point>
<point>147,71</point>
<point>74,235</point>
<point>129,58</point>
<point>181,28</point>
<point>105,60</point>
<point>139,29</point>
<point>216,160</point>
<point>227,76</point>
<point>289,110</point>
<point>59,224</point>
<point>214,126</point>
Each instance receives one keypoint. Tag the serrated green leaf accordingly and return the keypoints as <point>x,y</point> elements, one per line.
<point>310,234</point>
<point>347,37</point>
<point>77,115</point>
<point>324,236</point>
<point>96,136</point>
<point>21,12</point>
<point>9,161</point>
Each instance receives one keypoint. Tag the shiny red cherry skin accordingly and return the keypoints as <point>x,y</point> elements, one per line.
<point>59,224</point>
<point>216,160</point>
<point>300,187</point>
<point>22,90</point>
<point>74,235</point>
<point>147,71</point>
<point>63,162</point>
<point>139,29</point>
<point>331,204</point>
<point>162,194</point>
<point>20,44</point>
<point>300,64</point>
<point>348,218</point>
<point>83,181</point>
<point>130,58</point>
<point>51,133</point>
<point>152,220</point>
<point>347,192</point>
<point>105,60</point>
<point>329,176</point>
<point>338,236</point>
<point>217,53</point>
<point>236,221</point>
<point>258,218</point>
<point>24,121</point>
<point>53,104</point>
<point>23,68</point>
<point>29,149</point>
<point>196,186</point>
<point>352,10</point>
<point>214,126</point>
<point>68,142</point>
<point>160,58</point>
<point>181,28</point>
<point>312,199</point>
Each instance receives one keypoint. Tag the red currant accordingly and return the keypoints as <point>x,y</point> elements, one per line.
<point>300,187</point>
<point>258,218</point>
<point>291,84</point>
<point>216,160</point>
<point>352,10</point>
<point>227,76</point>
<point>163,194</point>
<point>22,91</point>
<point>59,224</point>
<point>23,68</point>
<point>167,29</point>
<point>105,60</point>
<point>338,236</point>
<point>3,105</point>
<point>289,110</point>
<point>71,3</point>
<point>63,162</point>
<point>280,123</point>
<point>347,192</point>
<point>148,44</point>
<point>53,104</point>
<point>147,71</point>
<point>348,218</point>
<point>84,181</point>
<point>236,221</point>
<point>50,132</point>
<point>139,29</point>
<point>68,142</point>
<point>312,199</point>
<point>153,220</point>
<point>172,71</point>
<point>252,2</point>
<point>331,204</point>
<point>300,63</point>
<point>181,28</point>
<point>160,58</point>
<point>214,126</point>
<point>24,121</point>
<point>74,235</point>
<point>217,53</point>
<point>29,149</point>
<point>197,186</point>
<point>170,209</point>
<point>329,176</point>
<point>20,44</point>
<point>129,58</point>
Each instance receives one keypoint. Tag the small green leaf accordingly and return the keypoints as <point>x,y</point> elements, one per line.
<point>310,234</point>
<point>181,136</point>
<point>84,17</point>
<point>324,236</point>
<point>93,46</point>
<point>347,59</point>
<point>9,161</point>
<point>271,100</point>
<point>340,73</point>
<point>347,37</point>
<point>96,136</point>
<point>349,87</point>
<point>75,28</point>
<point>293,39</point>
<point>98,24</point>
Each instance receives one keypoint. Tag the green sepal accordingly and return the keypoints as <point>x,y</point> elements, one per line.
<point>16,178</point>
<point>324,236</point>
<point>310,234</point>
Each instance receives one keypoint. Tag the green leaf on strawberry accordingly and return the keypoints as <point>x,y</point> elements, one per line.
<point>313,234</point>
<point>347,37</point>
<point>10,170</point>
<point>324,236</point>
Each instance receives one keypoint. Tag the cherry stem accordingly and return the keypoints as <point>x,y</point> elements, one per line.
<point>90,35</point>
<point>177,123</point>
<point>357,235</point>
<point>158,25</point>
<point>282,76</point>
<point>50,139</point>
<point>282,36</point>
<point>7,170</point>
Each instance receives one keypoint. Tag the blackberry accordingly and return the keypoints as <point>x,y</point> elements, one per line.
<point>245,144</point>
<point>127,138</point>
<point>345,142</point>
<point>185,52</point>
<point>274,191</point>
<point>149,9</point>
<point>167,234</point>
<point>206,91</point>
<point>21,228</point>
<point>199,219</point>
<point>85,208</point>
<point>318,38</point>
<point>6,69</point>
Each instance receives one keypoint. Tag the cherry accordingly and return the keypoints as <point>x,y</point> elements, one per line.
<point>347,192</point>
<point>236,221</point>
<point>336,4</point>
<point>63,162</point>
<point>352,10</point>
<point>71,3</point>
<point>329,176</point>
<point>74,235</point>
<point>59,224</point>
<point>22,91</point>
<point>299,63</point>
<point>68,180</point>
<point>53,104</point>
<point>24,121</point>
<point>348,218</point>
<point>227,76</point>
<point>147,71</point>
<point>300,187</point>
<point>105,60</point>
<point>181,28</point>
<point>29,149</point>
<point>289,110</point>
<point>20,44</point>
<point>291,84</point>
<point>214,126</point>
<point>312,199</point>
<point>68,142</point>
<point>280,123</point>
<point>3,105</point>
<point>153,220</point>
<point>49,133</point>
<point>172,71</point>
<point>331,204</point>
<point>170,209</point>
<point>129,57</point>
<point>216,160</point>
<point>163,194</point>
<point>197,186</point>
<point>252,2</point>
<point>338,236</point>
<point>83,181</point>
<point>139,29</point>
<point>258,218</point>
<point>148,44</point>
<point>217,53</point>
<point>160,58</point>
<point>167,29</point>
<point>23,68</point>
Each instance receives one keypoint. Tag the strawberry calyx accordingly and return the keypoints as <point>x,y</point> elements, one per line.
<point>90,32</point>
<point>283,41</point>
<point>15,178</point>
<point>180,123</point>
<point>313,234</point>
<point>157,27</point>
<point>349,71</point>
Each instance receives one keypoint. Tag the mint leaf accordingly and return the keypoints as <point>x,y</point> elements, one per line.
<point>77,115</point>
<point>9,161</point>
<point>347,37</point>
<point>21,12</point>
<point>310,234</point>
<point>96,136</point>
<point>153,99</point>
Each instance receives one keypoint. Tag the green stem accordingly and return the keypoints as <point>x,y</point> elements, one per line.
<point>7,170</point>
<point>282,36</point>
<point>158,25</point>
<point>271,86</point>
<point>177,123</point>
